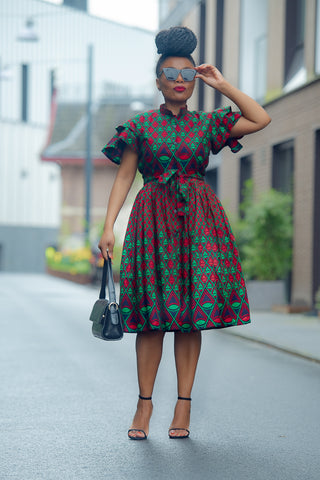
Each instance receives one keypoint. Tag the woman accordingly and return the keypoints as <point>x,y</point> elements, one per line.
<point>180,267</point>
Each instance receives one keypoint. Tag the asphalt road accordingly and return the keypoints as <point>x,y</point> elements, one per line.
<point>67,400</point>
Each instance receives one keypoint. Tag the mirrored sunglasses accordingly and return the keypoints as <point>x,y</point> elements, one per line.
<point>171,73</point>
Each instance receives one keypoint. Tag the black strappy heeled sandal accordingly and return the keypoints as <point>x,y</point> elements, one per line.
<point>145,436</point>
<point>179,428</point>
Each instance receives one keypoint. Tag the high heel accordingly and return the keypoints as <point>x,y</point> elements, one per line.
<point>173,429</point>
<point>134,430</point>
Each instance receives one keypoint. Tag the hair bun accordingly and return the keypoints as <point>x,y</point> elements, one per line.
<point>176,41</point>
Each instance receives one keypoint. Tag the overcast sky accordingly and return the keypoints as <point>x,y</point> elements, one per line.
<point>140,13</point>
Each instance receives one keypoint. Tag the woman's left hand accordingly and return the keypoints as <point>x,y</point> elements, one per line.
<point>210,75</point>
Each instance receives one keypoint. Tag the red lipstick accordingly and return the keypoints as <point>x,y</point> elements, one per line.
<point>179,89</point>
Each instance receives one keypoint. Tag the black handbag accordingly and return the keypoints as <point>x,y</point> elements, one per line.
<point>107,322</point>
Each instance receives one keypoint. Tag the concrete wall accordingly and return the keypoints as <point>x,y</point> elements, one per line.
<point>22,248</point>
<point>29,188</point>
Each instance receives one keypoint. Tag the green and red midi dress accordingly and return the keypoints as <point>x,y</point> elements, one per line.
<point>180,266</point>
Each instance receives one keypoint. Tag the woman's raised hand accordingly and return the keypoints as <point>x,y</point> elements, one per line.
<point>106,244</point>
<point>210,75</point>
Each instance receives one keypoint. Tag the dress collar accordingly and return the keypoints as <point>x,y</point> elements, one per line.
<point>165,111</point>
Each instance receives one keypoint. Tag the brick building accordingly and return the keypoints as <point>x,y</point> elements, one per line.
<point>270,49</point>
<point>66,147</point>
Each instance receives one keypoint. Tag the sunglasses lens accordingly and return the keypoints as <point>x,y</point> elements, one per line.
<point>188,74</point>
<point>171,73</point>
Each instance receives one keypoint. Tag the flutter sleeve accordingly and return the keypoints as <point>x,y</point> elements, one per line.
<point>222,121</point>
<point>127,135</point>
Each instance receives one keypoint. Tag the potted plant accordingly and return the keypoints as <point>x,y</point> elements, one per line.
<point>264,237</point>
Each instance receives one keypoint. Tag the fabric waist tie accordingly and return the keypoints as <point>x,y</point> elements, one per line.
<point>179,186</point>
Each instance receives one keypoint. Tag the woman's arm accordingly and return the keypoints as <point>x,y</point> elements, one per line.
<point>121,186</point>
<point>254,117</point>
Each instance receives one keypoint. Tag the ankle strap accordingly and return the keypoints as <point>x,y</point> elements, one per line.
<point>184,398</point>
<point>144,398</point>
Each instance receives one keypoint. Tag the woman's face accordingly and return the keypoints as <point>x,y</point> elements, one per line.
<point>175,91</point>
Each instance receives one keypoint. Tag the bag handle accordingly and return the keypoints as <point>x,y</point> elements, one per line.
<point>107,276</point>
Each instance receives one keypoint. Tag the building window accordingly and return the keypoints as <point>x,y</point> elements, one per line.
<point>260,74</point>
<point>52,83</point>
<point>253,48</point>
<point>24,93</point>
<point>212,178</point>
<point>165,8</point>
<point>317,50</point>
<point>219,46</point>
<point>245,174</point>
<point>282,167</point>
<point>52,88</point>
<point>295,72</point>
<point>282,180</point>
<point>80,4</point>
<point>316,218</point>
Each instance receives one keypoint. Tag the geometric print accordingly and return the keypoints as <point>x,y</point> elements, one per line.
<point>180,267</point>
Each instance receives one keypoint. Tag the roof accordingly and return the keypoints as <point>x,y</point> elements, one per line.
<point>66,143</point>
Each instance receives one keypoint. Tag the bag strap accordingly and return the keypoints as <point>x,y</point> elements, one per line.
<point>107,276</point>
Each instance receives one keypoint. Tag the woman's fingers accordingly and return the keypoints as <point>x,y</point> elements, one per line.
<point>205,68</point>
<point>208,70</point>
<point>106,247</point>
<point>210,75</point>
<point>106,253</point>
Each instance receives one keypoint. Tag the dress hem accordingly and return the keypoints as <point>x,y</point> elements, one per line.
<point>188,331</point>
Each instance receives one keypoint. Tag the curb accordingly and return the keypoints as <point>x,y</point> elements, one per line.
<point>280,348</point>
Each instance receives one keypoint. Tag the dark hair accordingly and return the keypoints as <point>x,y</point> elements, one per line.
<point>175,42</point>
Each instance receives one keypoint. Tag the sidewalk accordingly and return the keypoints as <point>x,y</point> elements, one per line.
<point>297,334</point>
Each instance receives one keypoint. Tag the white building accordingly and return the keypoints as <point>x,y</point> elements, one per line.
<point>30,190</point>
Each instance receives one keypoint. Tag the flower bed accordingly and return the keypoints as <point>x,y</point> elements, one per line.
<point>75,265</point>
<point>80,265</point>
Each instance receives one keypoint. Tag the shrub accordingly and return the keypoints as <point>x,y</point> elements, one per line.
<point>264,235</point>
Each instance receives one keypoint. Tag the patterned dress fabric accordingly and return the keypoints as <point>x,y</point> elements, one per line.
<point>180,267</point>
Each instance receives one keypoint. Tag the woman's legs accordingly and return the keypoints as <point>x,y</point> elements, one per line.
<point>187,348</point>
<point>149,352</point>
